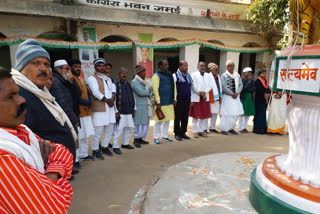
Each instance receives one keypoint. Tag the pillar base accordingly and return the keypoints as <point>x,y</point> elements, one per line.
<point>272,191</point>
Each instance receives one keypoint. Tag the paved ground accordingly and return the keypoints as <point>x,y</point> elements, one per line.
<point>109,186</point>
<point>217,183</point>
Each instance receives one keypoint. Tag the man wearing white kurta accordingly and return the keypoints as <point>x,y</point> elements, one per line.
<point>215,96</point>
<point>103,109</point>
<point>231,106</point>
<point>200,106</point>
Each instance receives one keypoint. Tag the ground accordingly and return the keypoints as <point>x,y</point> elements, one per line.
<point>109,186</point>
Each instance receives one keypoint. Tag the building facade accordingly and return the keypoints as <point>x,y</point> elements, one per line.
<point>211,31</point>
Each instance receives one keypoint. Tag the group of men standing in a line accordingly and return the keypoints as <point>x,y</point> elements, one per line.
<point>58,106</point>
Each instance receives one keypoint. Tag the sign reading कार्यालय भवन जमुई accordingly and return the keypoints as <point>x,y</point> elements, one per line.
<point>300,75</point>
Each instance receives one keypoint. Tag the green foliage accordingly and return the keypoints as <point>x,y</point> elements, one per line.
<point>270,16</point>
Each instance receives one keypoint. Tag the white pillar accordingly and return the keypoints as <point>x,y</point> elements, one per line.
<point>13,51</point>
<point>225,56</point>
<point>302,162</point>
<point>191,55</point>
<point>222,63</point>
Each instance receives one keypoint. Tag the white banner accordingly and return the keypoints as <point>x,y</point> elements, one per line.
<point>86,56</point>
<point>301,76</point>
<point>217,10</point>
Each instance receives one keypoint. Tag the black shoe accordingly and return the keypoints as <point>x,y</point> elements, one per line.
<point>106,151</point>
<point>141,141</point>
<point>97,154</point>
<point>178,138</point>
<point>224,133</point>
<point>213,130</point>
<point>75,171</point>
<point>233,132</point>
<point>136,143</point>
<point>205,131</point>
<point>87,158</point>
<point>184,136</point>
<point>117,151</point>
<point>77,165</point>
<point>246,130</point>
<point>127,146</point>
<point>110,145</point>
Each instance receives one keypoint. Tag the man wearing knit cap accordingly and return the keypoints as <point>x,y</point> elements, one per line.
<point>86,127</point>
<point>103,108</point>
<point>183,82</point>
<point>200,106</point>
<point>44,115</point>
<point>231,107</point>
<point>215,96</point>
<point>142,92</point>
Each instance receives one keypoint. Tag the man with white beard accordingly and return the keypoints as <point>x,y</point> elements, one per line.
<point>231,107</point>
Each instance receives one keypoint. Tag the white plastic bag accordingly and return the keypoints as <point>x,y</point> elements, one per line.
<point>277,114</point>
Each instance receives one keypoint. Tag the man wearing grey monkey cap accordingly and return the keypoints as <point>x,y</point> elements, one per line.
<point>44,115</point>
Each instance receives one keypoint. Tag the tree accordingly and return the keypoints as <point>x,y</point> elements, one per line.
<point>270,17</point>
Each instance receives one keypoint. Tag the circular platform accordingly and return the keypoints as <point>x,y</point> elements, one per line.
<point>272,191</point>
<point>217,183</point>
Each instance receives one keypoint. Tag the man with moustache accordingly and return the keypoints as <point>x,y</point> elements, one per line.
<point>85,128</point>
<point>146,62</point>
<point>34,172</point>
<point>44,115</point>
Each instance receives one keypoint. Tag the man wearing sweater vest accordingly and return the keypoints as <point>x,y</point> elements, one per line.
<point>165,93</point>
<point>125,106</point>
<point>103,109</point>
<point>85,128</point>
<point>183,82</point>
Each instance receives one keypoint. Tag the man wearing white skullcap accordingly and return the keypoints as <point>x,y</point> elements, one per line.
<point>66,91</point>
<point>231,107</point>
<point>246,97</point>
<point>103,106</point>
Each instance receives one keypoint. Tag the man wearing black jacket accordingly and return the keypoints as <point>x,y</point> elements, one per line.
<point>67,92</point>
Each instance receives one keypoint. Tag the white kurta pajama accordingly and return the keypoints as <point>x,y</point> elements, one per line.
<point>103,121</point>
<point>141,131</point>
<point>231,108</point>
<point>85,130</point>
<point>243,122</point>
<point>201,83</point>
<point>125,126</point>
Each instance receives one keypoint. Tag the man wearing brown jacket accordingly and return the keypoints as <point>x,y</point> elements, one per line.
<point>86,127</point>
<point>103,108</point>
